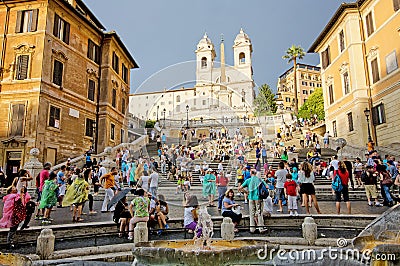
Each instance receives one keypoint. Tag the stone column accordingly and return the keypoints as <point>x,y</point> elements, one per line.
<point>33,166</point>
<point>108,162</point>
<point>45,244</point>
<point>227,229</point>
<point>140,233</point>
<point>309,228</point>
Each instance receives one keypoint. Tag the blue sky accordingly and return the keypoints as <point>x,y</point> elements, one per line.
<point>161,33</point>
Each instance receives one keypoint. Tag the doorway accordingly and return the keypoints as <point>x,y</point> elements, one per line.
<point>13,164</point>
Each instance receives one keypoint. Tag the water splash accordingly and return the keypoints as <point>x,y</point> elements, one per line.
<point>206,226</point>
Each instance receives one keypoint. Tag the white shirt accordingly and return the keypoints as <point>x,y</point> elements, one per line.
<point>268,205</point>
<point>154,180</point>
<point>335,164</point>
<point>145,182</point>
<point>188,216</point>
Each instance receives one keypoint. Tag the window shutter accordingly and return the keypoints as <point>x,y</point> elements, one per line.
<point>19,22</point>
<point>90,50</point>
<point>375,70</point>
<point>91,90</point>
<point>97,54</point>
<point>56,25</point>
<point>375,119</point>
<point>22,67</point>
<point>34,19</point>
<point>17,119</point>
<point>58,73</point>
<point>66,33</point>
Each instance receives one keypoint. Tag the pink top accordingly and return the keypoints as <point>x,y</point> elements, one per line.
<point>8,200</point>
<point>44,175</point>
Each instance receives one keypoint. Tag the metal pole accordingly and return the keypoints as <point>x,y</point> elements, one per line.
<point>369,130</point>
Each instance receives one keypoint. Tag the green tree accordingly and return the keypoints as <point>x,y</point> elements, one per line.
<point>150,123</point>
<point>313,106</point>
<point>292,54</point>
<point>265,104</point>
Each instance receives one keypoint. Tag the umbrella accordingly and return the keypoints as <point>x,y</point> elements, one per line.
<point>118,197</point>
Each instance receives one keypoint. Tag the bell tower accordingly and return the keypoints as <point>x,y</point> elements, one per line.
<point>242,49</point>
<point>205,55</point>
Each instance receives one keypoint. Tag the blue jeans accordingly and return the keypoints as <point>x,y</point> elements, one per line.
<point>386,192</point>
<point>221,195</point>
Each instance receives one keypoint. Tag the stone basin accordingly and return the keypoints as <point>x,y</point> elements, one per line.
<point>184,252</point>
<point>14,259</point>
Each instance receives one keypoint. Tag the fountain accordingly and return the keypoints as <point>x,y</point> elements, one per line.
<point>14,259</point>
<point>200,250</point>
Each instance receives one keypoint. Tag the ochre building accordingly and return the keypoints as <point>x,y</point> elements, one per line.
<point>64,82</point>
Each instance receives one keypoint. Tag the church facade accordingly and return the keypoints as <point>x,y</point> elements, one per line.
<point>221,91</point>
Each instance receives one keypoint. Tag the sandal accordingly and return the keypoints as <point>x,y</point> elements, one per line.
<point>79,219</point>
<point>73,219</point>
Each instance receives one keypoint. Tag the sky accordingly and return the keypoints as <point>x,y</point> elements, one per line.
<point>162,35</point>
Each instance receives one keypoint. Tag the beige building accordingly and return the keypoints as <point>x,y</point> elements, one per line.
<point>308,79</point>
<point>360,52</point>
<point>64,82</point>
<point>221,91</point>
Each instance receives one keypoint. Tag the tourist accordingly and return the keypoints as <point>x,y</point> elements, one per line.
<point>290,187</point>
<point>386,182</point>
<point>40,179</point>
<point>77,195</point>
<point>358,170</point>
<point>349,167</point>
<point>228,207</point>
<point>153,180</point>
<point>222,184</point>
<point>142,208</point>
<point>306,180</point>
<point>109,186</point>
<point>344,177</point>
<point>144,181</point>
<point>122,217</point>
<point>369,177</point>
<point>284,156</point>
<point>49,197</point>
<point>161,212</point>
<point>255,203</point>
<point>21,184</point>
<point>334,163</point>
<point>209,187</point>
<point>14,207</point>
<point>268,204</point>
<point>179,184</point>
<point>186,183</point>
<point>326,139</point>
<point>280,176</point>
<point>62,186</point>
<point>264,155</point>
<point>88,174</point>
<point>190,216</point>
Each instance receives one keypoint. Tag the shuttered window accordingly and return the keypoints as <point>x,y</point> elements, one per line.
<point>122,135</point>
<point>91,90</point>
<point>334,127</point>
<point>115,62</point>
<point>123,108</point>
<point>350,121</point>
<point>17,119</point>
<point>375,70</point>
<point>124,73</point>
<point>341,40</point>
<point>89,127</point>
<point>112,133</point>
<point>396,5</point>
<point>114,98</point>
<point>326,58</point>
<point>54,117</point>
<point>378,114</point>
<point>346,83</point>
<point>26,21</point>
<point>58,72</point>
<point>93,51</point>
<point>330,92</point>
<point>370,24</point>
<point>22,67</point>
<point>61,29</point>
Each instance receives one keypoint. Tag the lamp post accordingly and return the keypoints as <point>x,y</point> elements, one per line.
<point>158,107</point>
<point>367,113</point>
<point>164,111</point>
<point>187,116</point>
<point>94,148</point>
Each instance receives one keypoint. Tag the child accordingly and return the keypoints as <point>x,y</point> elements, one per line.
<point>190,215</point>
<point>267,210</point>
<point>180,184</point>
<point>290,187</point>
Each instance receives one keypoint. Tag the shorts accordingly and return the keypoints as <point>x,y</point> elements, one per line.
<point>344,192</point>
<point>280,193</point>
<point>307,188</point>
<point>326,141</point>
<point>370,190</point>
<point>39,195</point>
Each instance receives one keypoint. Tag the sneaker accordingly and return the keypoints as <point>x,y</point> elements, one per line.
<point>378,204</point>
<point>296,213</point>
<point>246,202</point>
<point>370,203</point>
<point>130,238</point>
<point>166,226</point>
<point>40,217</point>
<point>46,222</point>
<point>159,232</point>
<point>291,213</point>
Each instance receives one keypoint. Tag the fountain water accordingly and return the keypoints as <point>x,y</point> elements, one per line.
<point>206,226</point>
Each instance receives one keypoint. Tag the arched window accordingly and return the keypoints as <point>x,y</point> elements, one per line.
<point>204,62</point>
<point>242,58</point>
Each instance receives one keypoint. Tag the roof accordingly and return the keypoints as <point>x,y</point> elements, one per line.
<point>82,5</point>
<point>300,66</point>
<point>333,21</point>
<point>113,34</point>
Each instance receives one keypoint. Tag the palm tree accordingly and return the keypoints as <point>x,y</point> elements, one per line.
<point>292,54</point>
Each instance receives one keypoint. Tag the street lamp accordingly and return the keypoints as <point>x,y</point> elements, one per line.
<point>367,113</point>
<point>187,116</point>
<point>158,107</point>
<point>164,111</point>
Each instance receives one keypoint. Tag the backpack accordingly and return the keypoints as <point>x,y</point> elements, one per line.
<point>262,190</point>
<point>337,183</point>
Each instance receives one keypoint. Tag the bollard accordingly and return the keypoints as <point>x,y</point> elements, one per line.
<point>140,233</point>
<point>309,228</point>
<point>227,229</point>
<point>45,244</point>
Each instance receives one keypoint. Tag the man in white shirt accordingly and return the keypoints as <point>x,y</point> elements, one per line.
<point>335,163</point>
<point>153,183</point>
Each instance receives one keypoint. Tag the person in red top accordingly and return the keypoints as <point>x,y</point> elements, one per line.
<point>344,177</point>
<point>290,187</point>
<point>222,184</point>
<point>43,176</point>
